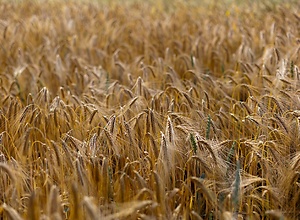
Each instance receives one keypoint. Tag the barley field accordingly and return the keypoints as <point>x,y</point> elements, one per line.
<point>149,110</point>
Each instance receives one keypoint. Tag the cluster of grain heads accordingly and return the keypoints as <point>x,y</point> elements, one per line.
<point>172,112</point>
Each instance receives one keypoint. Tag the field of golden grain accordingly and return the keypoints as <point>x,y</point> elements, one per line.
<point>160,110</point>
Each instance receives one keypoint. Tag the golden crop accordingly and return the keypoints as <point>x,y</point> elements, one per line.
<point>161,110</point>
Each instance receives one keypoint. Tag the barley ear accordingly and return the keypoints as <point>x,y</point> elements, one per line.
<point>236,189</point>
<point>12,213</point>
<point>208,127</point>
<point>193,143</point>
